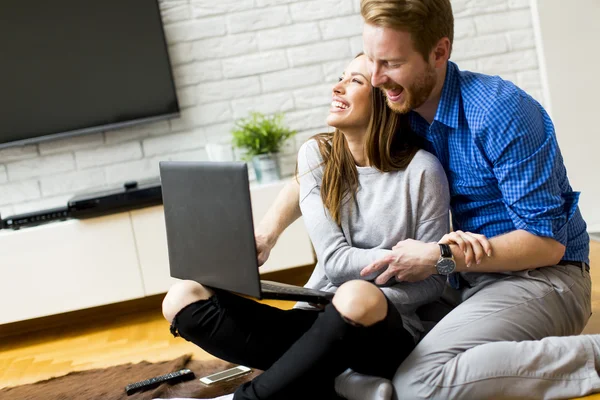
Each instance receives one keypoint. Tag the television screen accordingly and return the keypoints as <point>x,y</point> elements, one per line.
<point>75,66</point>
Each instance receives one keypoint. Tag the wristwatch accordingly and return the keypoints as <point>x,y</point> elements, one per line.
<point>446,264</point>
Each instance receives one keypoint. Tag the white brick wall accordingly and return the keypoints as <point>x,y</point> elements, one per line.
<point>287,36</point>
<point>21,191</point>
<point>3,175</point>
<point>253,64</point>
<point>71,144</point>
<point>220,47</point>
<point>18,153</point>
<point>194,73</point>
<point>175,143</point>
<point>71,182</point>
<point>40,166</point>
<point>228,89</point>
<point>202,8</point>
<point>258,19</point>
<point>233,56</point>
<point>266,104</point>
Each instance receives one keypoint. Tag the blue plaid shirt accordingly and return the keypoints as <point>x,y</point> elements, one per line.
<point>506,172</point>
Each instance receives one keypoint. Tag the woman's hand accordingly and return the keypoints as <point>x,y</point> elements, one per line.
<point>474,246</point>
<point>410,261</point>
<point>263,248</point>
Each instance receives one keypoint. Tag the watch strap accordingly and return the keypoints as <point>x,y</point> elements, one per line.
<point>445,251</point>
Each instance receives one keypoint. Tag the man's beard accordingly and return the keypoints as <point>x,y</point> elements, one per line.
<point>416,95</point>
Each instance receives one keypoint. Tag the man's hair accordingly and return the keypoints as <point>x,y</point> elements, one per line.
<point>426,20</point>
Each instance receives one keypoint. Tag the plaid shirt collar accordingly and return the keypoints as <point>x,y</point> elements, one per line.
<point>449,107</point>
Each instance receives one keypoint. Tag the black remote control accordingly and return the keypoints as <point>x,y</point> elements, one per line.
<point>173,377</point>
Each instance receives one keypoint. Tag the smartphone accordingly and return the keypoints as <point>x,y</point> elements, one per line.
<point>226,375</point>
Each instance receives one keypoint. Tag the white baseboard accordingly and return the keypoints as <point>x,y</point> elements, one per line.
<point>594,230</point>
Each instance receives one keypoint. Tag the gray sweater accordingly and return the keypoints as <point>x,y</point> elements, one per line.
<point>388,208</point>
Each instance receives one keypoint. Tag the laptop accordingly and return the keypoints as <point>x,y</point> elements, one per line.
<point>210,231</point>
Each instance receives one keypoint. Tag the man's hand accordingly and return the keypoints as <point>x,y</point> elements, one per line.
<point>263,248</point>
<point>473,245</point>
<point>410,261</point>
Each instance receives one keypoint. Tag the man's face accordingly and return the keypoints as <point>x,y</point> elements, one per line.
<point>397,68</point>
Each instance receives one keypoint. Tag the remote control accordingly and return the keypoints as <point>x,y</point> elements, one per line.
<point>173,377</point>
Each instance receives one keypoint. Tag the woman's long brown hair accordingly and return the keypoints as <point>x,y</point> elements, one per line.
<point>391,146</point>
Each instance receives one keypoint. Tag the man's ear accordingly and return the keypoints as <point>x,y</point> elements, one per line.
<point>441,52</point>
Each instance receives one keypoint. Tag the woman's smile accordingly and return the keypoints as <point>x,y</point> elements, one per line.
<point>338,105</point>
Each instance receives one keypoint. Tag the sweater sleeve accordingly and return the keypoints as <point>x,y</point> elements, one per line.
<point>433,220</point>
<point>341,262</point>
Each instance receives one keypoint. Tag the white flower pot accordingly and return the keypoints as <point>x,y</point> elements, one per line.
<point>266,168</point>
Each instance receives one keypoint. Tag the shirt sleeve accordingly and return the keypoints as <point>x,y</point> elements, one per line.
<point>341,262</point>
<point>528,166</point>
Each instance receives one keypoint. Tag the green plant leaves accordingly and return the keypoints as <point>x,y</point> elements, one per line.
<point>261,134</point>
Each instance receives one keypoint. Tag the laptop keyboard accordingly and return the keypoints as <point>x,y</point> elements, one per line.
<point>284,288</point>
<point>295,293</point>
<point>270,287</point>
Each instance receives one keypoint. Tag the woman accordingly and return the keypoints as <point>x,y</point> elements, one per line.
<point>363,189</point>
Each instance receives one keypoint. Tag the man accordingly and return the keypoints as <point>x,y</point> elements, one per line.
<point>507,337</point>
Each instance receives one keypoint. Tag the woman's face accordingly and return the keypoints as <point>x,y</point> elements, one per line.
<point>351,104</point>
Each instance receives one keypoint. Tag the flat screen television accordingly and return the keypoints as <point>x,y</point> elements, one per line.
<point>69,67</point>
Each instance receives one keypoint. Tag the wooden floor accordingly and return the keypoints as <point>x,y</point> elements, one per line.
<point>127,332</point>
<point>130,332</point>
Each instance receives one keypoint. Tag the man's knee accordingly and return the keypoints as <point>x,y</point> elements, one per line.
<point>420,376</point>
<point>182,294</point>
<point>409,385</point>
<point>361,302</point>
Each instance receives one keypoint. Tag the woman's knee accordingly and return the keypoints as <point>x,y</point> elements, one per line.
<point>182,294</point>
<point>361,302</point>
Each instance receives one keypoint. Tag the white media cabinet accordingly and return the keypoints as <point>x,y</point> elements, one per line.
<point>76,264</point>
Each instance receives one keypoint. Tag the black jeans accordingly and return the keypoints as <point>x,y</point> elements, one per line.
<point>301,351</point>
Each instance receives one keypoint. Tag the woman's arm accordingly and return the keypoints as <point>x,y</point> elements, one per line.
<point>284,211</point>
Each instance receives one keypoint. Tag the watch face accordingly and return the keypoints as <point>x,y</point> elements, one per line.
<point>446,266</point>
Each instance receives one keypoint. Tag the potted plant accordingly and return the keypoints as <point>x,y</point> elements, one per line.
<point>261,137</point>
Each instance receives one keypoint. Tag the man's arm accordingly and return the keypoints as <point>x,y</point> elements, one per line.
<point>282,213</point>
<point>412,260</point>
<point>514,251</point>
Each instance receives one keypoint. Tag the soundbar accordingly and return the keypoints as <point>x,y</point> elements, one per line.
<point>35,218</point>
<point>130,196</point>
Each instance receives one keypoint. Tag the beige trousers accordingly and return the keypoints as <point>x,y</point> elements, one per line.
<point>509,338</point>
